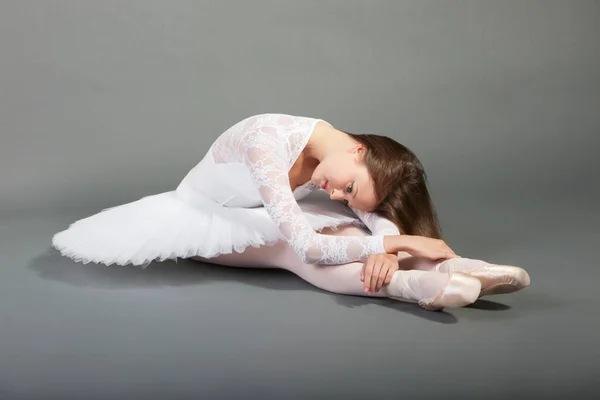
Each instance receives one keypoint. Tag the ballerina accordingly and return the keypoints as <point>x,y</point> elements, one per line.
<point>348,213</point>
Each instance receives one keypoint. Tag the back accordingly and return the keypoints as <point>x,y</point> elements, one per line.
<point>222,175</point>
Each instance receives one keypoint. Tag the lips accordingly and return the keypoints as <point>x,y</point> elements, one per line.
<point>324,185</point>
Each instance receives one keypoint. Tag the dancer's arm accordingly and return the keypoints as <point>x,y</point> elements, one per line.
<point>415,245</point>
<point>377,224</point>
<point>265,156</point>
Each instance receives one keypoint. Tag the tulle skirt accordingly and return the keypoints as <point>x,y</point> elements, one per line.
<point>165,226</point>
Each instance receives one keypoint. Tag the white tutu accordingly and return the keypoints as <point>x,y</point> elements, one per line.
<point>217,208</point>
<point>164,226</point>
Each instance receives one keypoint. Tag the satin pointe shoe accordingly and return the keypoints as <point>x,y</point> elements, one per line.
<point>494,278</point>
<point>435,291</point>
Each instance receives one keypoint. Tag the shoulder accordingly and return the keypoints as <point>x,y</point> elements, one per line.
<point>284,119</point>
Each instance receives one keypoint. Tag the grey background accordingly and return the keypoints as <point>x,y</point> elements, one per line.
<point>103,102</point>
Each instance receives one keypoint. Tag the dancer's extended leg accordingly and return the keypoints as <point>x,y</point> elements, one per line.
<point>431,289</point>
<point>494,278</point>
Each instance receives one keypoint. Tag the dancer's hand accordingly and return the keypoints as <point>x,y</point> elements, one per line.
<point>426,247</point>
<point>378,270</point>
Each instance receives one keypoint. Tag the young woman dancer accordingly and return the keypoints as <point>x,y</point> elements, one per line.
<point>350,214</point>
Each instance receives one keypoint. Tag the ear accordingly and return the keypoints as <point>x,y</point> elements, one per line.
<point>358,151</point>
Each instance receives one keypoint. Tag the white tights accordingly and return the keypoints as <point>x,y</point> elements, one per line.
<point>344,278</point>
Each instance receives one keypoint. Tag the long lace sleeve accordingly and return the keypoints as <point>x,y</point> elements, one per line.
<point>266,157</point>
<point>378,225</point>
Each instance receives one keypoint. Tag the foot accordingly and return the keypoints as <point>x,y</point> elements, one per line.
<point>495,279</point>
<point>433,290</point>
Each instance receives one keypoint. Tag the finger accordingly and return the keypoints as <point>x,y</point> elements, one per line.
<point>368,271</point>
<point>453,253</point>
<point>389,272</point>
<point>386,278</point>
<point>362,272</point>
<point>375,277</point>
<point>447,254</point>
<point>379,280</point>
<point>389,275</point>
<point>381,277</point>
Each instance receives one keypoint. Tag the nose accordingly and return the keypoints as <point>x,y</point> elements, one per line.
<point>336,195</point>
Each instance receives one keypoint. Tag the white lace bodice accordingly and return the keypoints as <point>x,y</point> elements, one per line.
<point>267,145</point>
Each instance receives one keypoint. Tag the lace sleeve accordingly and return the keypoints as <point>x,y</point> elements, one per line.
<point>377,225</point>
<point>266,157</point>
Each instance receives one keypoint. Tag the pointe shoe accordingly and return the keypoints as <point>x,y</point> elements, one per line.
<point>460,290</point>
<point>495,279</point>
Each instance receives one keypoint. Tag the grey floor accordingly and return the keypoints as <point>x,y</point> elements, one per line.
<point>100,100</point>
<point>190,330</point>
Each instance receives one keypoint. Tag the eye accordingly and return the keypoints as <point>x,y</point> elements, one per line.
<point>349,188</point>
<point>345,202</point>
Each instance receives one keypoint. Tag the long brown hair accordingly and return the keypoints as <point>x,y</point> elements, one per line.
<point>400,186</point>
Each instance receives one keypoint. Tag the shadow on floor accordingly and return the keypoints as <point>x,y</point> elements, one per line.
<point>52,266</point>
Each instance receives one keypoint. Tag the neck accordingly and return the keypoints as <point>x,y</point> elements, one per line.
<point>324,142</point>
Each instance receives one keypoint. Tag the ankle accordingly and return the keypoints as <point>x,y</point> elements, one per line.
<point>460,264</point>
<point>416,285</point>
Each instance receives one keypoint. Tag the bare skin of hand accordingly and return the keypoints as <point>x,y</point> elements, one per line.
<point>377,271</point>
<point>433,249</point>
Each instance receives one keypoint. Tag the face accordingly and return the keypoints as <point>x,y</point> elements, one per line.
<point>346,178</point>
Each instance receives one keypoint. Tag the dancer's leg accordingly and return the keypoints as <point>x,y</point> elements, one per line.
<point>341,279</point>
<point>426,287</point>
<point>494,278</point>
<point>345,278</point>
